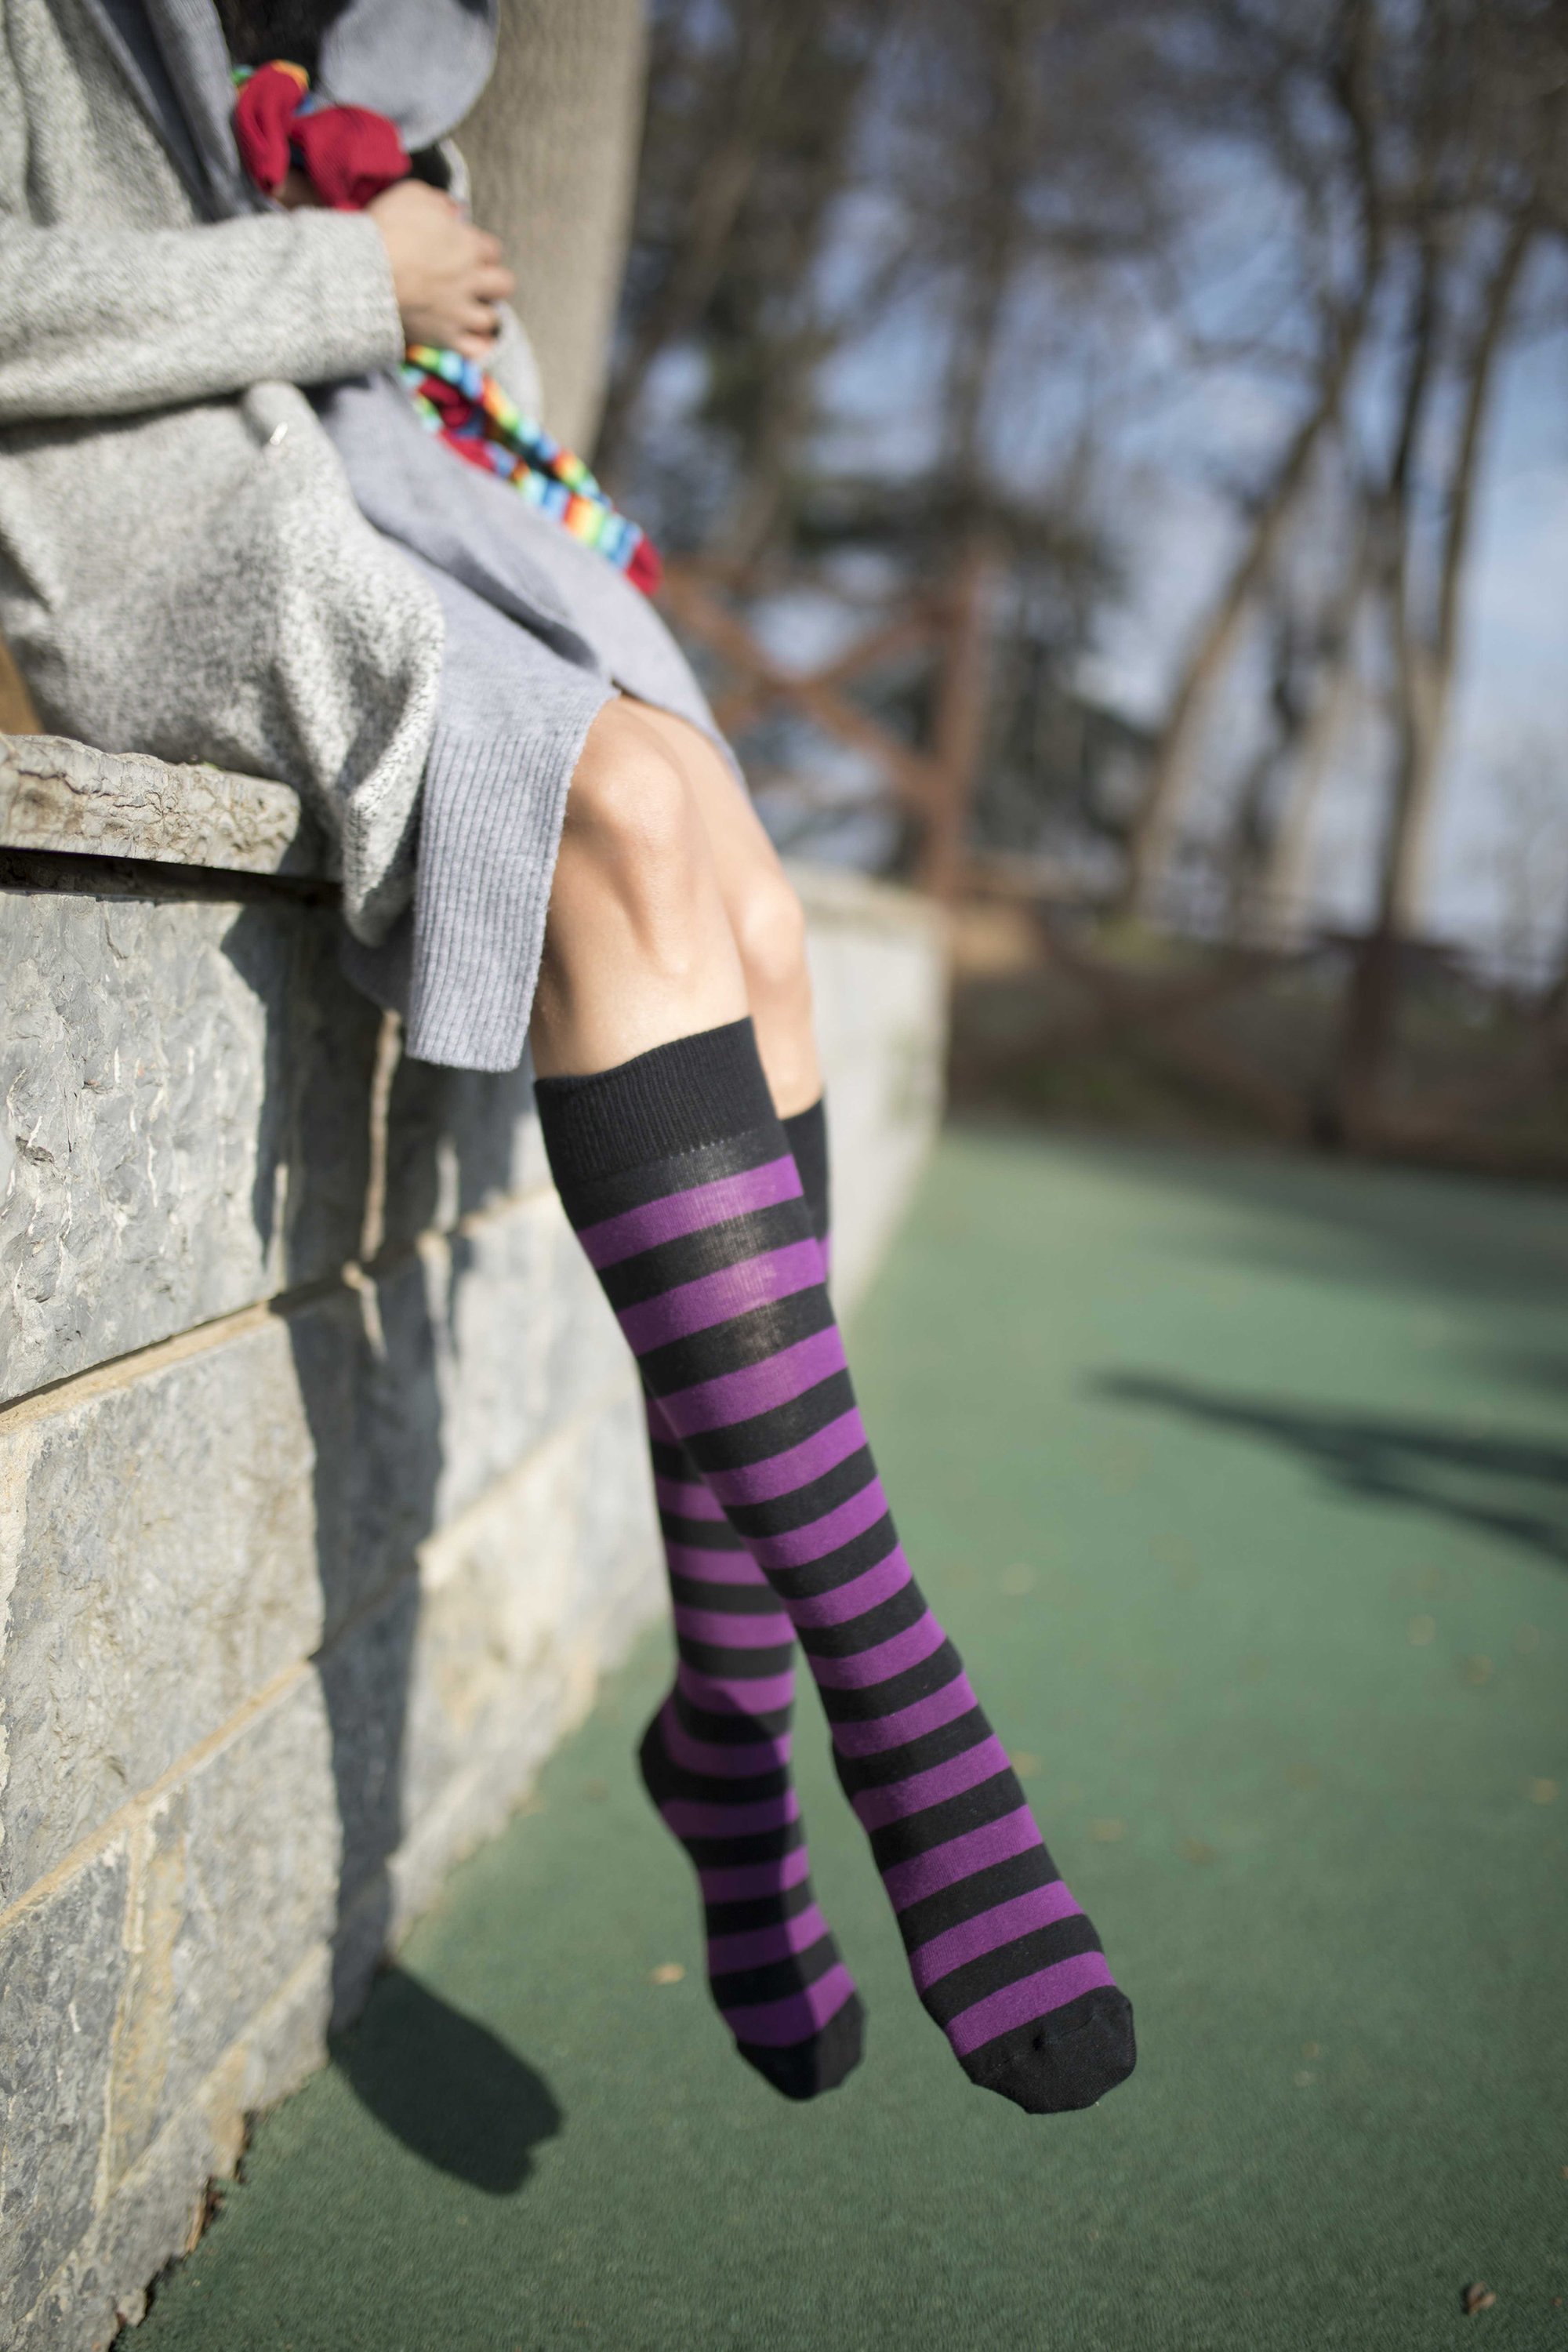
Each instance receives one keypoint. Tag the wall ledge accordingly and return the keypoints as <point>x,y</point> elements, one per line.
<point>66,797</point>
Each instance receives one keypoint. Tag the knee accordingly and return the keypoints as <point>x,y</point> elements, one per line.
<point>631,819</point>
<point>770,932</point>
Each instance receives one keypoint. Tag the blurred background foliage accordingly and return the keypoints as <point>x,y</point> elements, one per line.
<point>1186,334</point>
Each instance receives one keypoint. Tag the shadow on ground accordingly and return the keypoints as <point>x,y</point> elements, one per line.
<point>1512,1487</point>
<point>447,2086</point>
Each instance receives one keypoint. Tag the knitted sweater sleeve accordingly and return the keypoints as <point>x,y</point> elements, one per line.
<point>105,323</point>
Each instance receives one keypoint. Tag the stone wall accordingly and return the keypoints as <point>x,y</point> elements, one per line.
<point>323,1503</point>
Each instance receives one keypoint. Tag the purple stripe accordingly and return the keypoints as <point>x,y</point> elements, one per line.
<point>868,1667</point>
<point>961,1857</point>
<point>753,1948</point>
<point>861,1593</point>
<point>731,1632</point>
<point>720,1297</point>
<point>877,1807</point>
<point>613,1238</point>
<point>688,1500</point>
<point>704,1567</point>
<point>1031,1997</point>
<point>1042,1906</point>
<point>798,1547</point>
<point>738,1881</point>
<point>756,1388</point>
<point>912,1722</point>
<point>690,1817</point>
<point>716,1757</point>
<point>763,1692</point>
<point>798,2016</point>
<point>782,1473</point>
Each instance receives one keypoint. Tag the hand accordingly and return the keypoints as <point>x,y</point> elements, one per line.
<point>448,275</point>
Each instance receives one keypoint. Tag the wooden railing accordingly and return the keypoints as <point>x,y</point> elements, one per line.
<point>933,784</point>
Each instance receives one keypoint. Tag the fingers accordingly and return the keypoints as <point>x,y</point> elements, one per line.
<point>475,329</point>
<point>493,283</point>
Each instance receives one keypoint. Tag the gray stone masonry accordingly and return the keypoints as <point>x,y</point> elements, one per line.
<point>323,1502</point>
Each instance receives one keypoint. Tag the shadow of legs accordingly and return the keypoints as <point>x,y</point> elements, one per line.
<point>447,2086</point>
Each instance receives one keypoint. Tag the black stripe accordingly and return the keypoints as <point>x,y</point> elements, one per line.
<point>835,1568</point>
<point>757,1845</point>
<point>757,1910</point>
<point>726,1730</point>
<point>934,1674</point>
<point>803,1504</point>
<point>775,1979</point>
<point>878,1623</point>
<point>700,1535</point>
<point>727,1665</point>
<point>632,1281</point>
<point>591,1198</point>
<point>745,1339</point>
<point>672,1461</point>
<point>717,1788</point>
<point>951,1906</point>
<point>937,1747</point>
<point>762,1435</point>
<point>1063,1941</point>
<point>731,1600</point>
<point>917,1833</point>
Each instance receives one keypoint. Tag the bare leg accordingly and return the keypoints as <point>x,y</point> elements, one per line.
<point>670,913</point>
<point>766,916</point>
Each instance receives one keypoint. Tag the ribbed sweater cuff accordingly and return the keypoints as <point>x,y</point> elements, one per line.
<point>694,1091</point>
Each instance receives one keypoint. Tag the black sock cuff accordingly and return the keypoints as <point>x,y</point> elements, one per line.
<point>694,1091</point>
<point>807,1133</point>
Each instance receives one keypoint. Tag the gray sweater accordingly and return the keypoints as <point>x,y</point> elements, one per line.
<point>196,560</point>
<point>183,569</point>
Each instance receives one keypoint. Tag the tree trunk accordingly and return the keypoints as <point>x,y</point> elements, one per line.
<point>1286,888</point>
<point>1154,829</point>
<point>724,180</point>
<point>1425,656</point>
<point>552,149</point>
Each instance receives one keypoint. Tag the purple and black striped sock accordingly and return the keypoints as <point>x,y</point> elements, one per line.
<point>676,1175</point>
<point>715,1760</point>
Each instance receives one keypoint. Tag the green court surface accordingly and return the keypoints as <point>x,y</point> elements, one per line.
<point>1243,1485</point>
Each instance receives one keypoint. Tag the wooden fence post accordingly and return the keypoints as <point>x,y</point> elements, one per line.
<point>959,725</point>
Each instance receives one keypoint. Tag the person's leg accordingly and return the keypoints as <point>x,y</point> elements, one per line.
<point>638,895</point>
<point>677,1174</point>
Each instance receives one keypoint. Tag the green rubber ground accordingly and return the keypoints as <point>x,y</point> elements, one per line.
<point>1244,1487</point>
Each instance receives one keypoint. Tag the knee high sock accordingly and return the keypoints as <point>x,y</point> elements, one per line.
<point>715,1760</point>
<point>676,1173</point>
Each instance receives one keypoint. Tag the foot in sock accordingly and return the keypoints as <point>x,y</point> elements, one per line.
<point>715,1760</point>
<point>676,1175</point>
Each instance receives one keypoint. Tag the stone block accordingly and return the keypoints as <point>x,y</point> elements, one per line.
<point>184,1083</point>
<point>471,1668</point>
<point>158,2207</point>
<point>878,969</point>
<point>178,1539</point>
<point>458,1141</point>
<point>235,1886</point>
<point>163,1547</point>
<point>62,1974</point>
<point>524,1339</point>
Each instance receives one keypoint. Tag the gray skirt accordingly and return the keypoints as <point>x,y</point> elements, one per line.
<point>519,690</point>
